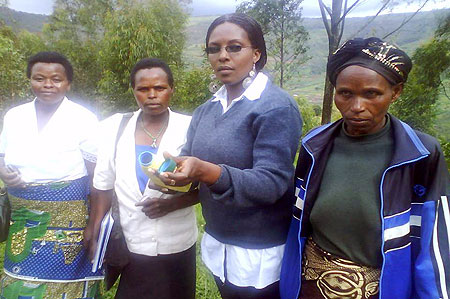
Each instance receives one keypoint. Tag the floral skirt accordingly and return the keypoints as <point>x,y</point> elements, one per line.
<point>326,276</point>
<point>44,254</point>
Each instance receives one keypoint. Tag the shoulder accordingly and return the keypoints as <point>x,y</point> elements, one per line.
<point>275,97</point>
<point>430,142</point>
<point>19,111</point>
<point>180,118</point>
<point>79,110</point>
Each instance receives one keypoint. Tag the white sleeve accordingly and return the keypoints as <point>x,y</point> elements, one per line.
<point>3,135</point>
<point>88,143</point>
<point>105,170</point>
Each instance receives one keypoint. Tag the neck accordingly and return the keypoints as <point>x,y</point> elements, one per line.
<point>155,119</point>
<point>234,91</point>
<point>46,108</point>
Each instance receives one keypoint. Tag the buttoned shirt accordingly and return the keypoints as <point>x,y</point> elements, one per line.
<point>172,233</point>
<point>57,151</point>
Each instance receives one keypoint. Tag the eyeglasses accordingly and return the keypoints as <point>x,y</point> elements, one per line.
<point>229,49</point>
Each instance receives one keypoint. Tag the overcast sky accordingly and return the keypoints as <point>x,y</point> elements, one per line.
<point>219,7</point>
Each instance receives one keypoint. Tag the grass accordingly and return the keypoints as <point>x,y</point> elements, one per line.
<point>205,286</point>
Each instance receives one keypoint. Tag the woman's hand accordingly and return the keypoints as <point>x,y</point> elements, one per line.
<point>190,169</point>
<point>157,207</point>
<point>9,175</point>
<point>90,236</point>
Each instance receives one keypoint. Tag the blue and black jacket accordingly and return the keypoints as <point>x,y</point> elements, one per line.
<point>415,216</point>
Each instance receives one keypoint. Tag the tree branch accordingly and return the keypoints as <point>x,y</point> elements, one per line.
<point>372,19</point>
<point>343,23</point>
<point>324,17</point>
<point>443,87</point>
<point>405,21</point>
<point>347,11</point>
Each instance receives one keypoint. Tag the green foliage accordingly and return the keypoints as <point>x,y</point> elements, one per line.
<point>135,31</point>
<point>13,81</point>
<point>191,89</point>
<point>417,104</point>
<point>286,37</point>
<point>310,114</point>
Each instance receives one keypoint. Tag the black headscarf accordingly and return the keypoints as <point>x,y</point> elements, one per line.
<point>373,53</point>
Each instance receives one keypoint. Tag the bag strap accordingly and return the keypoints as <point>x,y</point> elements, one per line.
<point>123,123</point>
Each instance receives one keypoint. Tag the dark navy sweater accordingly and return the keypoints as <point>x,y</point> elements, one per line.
<point>254,143</point>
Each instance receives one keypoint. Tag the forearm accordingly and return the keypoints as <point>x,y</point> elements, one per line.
<point>207,172</point>
<point>186,200</point>
<point>100,204</point>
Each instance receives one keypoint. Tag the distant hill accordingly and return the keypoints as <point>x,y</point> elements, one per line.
<point>310,77</point>
<point>22,20</point>
<point>308,81</point>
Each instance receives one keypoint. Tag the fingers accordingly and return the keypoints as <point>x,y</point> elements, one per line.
<point>153,207</point>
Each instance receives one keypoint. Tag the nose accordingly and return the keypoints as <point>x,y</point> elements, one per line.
<point>48,83</point>
<point>357,105</point>
<point>151,93</point>
<point>223,54</point>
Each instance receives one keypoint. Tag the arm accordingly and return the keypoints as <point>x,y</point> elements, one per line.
<point>276,140</point>
<point>100,205</point>
<point>432,266</point>
<point>9,177</point>
<point>159,207</point>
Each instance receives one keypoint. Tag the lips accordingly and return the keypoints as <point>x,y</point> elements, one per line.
<point>224,68</point>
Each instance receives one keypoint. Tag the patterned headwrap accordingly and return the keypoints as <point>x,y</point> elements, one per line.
<point>373,53</point>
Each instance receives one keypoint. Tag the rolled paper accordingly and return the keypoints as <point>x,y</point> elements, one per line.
<point>148,161</point>
<point>168,165</point>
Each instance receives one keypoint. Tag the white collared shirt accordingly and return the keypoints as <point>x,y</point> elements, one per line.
<point>57,151</point>
<point>172,233</point>
<point>244,267</point>
<point>253,92</point>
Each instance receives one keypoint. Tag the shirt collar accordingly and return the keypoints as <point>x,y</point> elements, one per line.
<point>253,92</point>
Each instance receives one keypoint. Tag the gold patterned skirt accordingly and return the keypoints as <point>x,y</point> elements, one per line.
<point>326,276</point>
<point>44,254</point>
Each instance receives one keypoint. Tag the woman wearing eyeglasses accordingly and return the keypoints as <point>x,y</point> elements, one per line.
<point>240,148</point>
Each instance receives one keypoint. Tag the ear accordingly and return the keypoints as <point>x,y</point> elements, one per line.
<point>256,55</point>
<point>396,91</point>
<point>68,87</point>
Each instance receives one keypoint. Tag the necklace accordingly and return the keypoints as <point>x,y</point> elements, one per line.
<point>154,138</point>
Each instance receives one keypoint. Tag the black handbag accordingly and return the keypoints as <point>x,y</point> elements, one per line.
<point>5,213</point>
<point>116,255</point>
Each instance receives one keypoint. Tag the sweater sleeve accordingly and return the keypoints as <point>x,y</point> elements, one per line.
<point>432,265</point>
<point>277,133</point>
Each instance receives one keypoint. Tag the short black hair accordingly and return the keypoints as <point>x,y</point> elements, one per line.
<point>253,29</point>
<point>149,63</point>
<point>51,57</point>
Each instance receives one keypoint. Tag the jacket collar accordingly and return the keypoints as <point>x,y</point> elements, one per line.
<point>407,145</point>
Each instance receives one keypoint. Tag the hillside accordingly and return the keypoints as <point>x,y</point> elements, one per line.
<point>22,20</point>
<point>308,82</point>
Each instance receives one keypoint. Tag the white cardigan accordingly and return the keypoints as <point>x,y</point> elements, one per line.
<point>175,232</point>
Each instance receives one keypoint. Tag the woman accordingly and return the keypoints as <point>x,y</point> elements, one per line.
<point>369,220</point>
<point>160,230</point>
<point>240,147</point>
<point>47,156</point>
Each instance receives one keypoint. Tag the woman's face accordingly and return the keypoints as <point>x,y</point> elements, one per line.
<point>231,68</point>
<point>49,82</point>
<point>152,91</point>
<point>363,97</point>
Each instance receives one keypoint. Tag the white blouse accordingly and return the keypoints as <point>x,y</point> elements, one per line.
<point>55,153</point>
<point>172,233</point>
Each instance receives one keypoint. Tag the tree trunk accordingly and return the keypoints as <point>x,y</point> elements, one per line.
<point>327,104</point>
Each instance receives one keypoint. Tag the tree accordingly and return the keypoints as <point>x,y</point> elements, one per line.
<point>13,82</point>
<point>135,31</point>
<point>286,37</point>
<point>431,65</point>
<point>334,21</point>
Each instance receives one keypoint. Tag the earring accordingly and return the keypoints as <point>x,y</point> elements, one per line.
<point>248,80</point>
<point>214,86</point>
